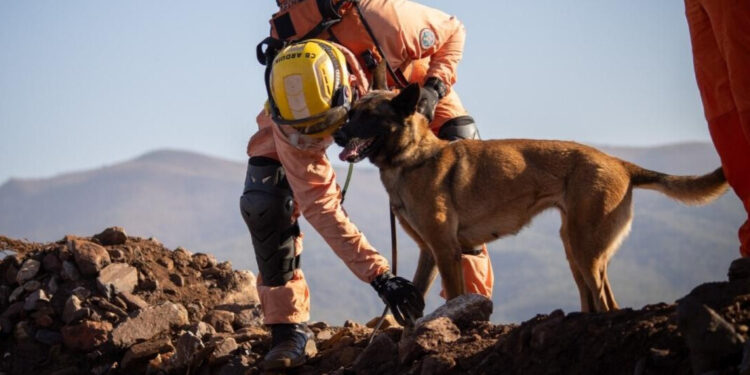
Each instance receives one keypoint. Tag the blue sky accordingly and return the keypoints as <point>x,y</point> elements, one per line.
<point>86,83</point>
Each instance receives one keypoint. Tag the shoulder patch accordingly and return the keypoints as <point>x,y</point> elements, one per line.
<point>426,38</point>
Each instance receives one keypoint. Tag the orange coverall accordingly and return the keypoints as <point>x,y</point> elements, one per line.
<point>720,35</point>
<point>422,42</point>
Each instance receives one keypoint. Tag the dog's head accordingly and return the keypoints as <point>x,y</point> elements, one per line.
<point>378,126</point>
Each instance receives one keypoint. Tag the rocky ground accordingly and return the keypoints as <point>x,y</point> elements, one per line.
<point>113,304</point>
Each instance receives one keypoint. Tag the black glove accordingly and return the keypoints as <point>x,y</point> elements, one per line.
<point>433,90</point>
<point>401,296</point>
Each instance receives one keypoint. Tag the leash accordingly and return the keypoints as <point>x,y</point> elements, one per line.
<point>394,248</point>
<point>346,183</point>
<point>394,258</point>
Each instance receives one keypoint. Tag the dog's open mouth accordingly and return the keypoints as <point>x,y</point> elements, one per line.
<point>356,149</point>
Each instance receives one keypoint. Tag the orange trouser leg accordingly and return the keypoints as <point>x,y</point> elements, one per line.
<point>478,275</point>
<point>734,151</point>
<point>720,35</point>
<point>289,303</point>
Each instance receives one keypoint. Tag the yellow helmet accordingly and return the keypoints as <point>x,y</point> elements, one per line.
<point>309,87</point>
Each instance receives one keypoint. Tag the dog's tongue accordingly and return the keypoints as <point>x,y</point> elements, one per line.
<point>349,152</point>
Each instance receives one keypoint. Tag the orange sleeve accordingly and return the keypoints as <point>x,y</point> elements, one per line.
<point>318,198</point>
<point>408,31</point>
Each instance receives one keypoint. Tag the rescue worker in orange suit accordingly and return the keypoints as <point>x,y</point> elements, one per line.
<point>720,35</point>
<point>310,86</point>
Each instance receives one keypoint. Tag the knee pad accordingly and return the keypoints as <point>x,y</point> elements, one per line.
<point>267,206</point>
<point>476,251</point>
<point>461,127</point>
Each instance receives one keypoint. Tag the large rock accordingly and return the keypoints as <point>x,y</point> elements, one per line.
<point>181,257</point>
<point>462,310</point>
<point>69,271</point>
<point>248,317</point>
<point>187,345</point>
<point>201,260</point>
<point>378,358</point>
<point>110,307</point>
<point>133,302</point>
<point>28,270</point>
<point>427,338</point>
<point>221,320</point>
<point>89,256</point>
<point>148,323</point>
<point>119,277</point>
<point>11,270</point>
<point>739,269</point>
<point>86,336</point>
<point>112,236</point>
<point>34,299</point>
<point>146,350</point>
<point>51,263</point>
<point>223,350</point>
<point>245,293</point>
<point>73,310</point>
<point>16,294</point>
<point>32,285</point>
<point>713,341</point>
<point>202,330</point>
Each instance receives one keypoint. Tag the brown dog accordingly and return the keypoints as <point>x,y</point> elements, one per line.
<point>450,196</point>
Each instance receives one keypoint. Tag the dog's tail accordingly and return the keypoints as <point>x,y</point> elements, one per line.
<point>691,190</point>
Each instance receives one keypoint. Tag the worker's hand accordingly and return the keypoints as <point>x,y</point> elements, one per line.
<point>433,90</point>
<point>401,296</point>
<point>428,99</point>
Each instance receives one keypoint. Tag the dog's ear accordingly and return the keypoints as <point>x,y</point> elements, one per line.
<point>405,103</point>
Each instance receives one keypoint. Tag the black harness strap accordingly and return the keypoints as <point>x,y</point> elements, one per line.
<point>397,78</point>
<point>331,16</point>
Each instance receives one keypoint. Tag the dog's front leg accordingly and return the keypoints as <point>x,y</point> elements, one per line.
<point>446,252</point>
<point>426,271</point>
<point>453,276</point>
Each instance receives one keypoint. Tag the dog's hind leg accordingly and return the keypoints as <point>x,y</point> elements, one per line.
<point>591,272</point>
<point>587,298</point>
<point>595,237</point>
<point>608,291</point>
<point>586,256</point>
<point>615,228</point>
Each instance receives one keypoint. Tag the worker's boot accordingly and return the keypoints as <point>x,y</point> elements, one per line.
<point>291,346</point>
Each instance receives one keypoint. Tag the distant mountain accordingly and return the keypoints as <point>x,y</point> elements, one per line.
<point>191,200</point>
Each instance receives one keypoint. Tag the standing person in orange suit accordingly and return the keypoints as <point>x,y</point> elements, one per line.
<point>720,35</point>
<point>310,86</point>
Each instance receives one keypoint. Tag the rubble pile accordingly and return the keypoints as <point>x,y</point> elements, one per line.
<point>113,304</point>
